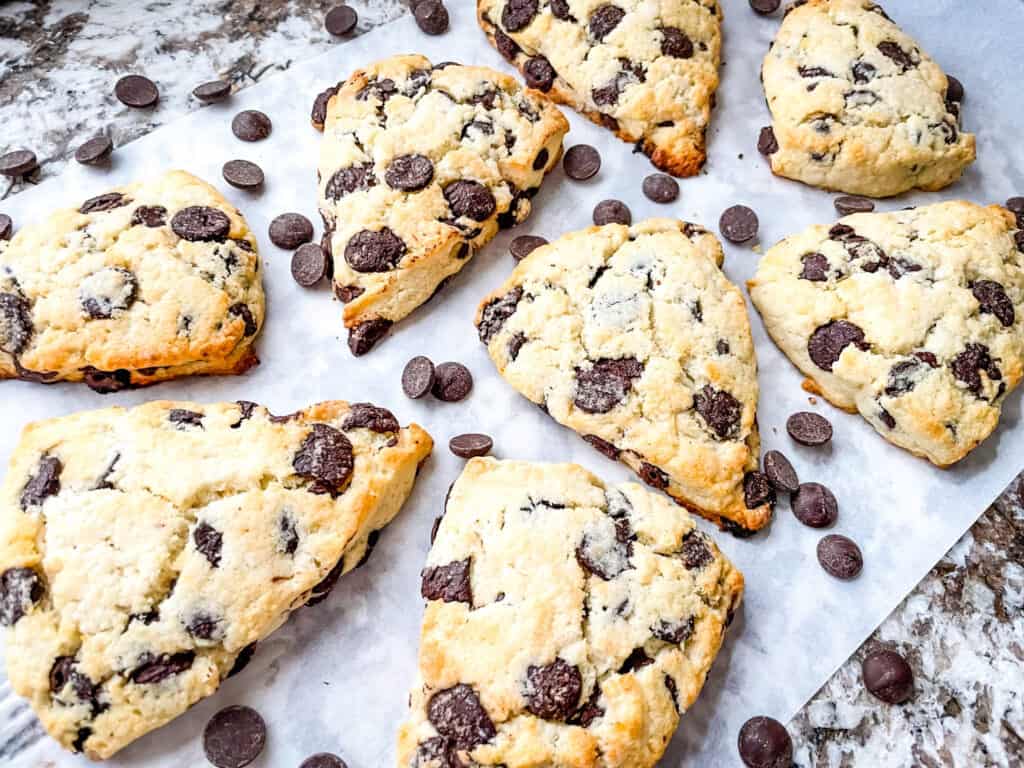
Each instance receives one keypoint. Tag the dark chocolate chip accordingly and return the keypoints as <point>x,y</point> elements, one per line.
<point>15,323</point>
<point>603,446</point>
<point>1015,205</point>
<point>208,542</point>
<point>637,659</point>
<point>553,690</point>
<point>675,632</point>
<point>993,300</point>
<point>764,742</point>
<point>215,90</point>
<point>967,367</point>
<point>720,411</point>
<point>496,312</point>
<point>310,265</point>
<point>410,173</point>
<point>290,230</point>
<point>457,714</point>
<point>764,7</point>
<point>661,188</point>
<point>738,224</point>
<point>470,199</point>
<point>203,626</point>
<point>606,383</point>
<point>517,14</point>
<point>318,113</point>
<point>757,490</point>
<point>612,212</point>
<point>348,180</point>
<point>603,20</point>
<point>581,162</point>
<point>863,72</point>
<point>201,223</point>
<point>471,444</point>
<point>766,142</point>
<point>320,592</point>
<point>95,151</point>
<point>814,505</point>
<point>892,50</point>
<point>828,341</point>
<point>242,174</point>
<point>107,292</point>
<point>234,737</point>
<point>541,160</point>
<point>372,417</point>
<point>431,16</point>
<point>694,551</point>
<point>524,245</point>
<point>107,382</point>
<point>954,89</point>
<point>340,20</point>
<point>676,43</point>
<point>539,74</point>
<point>151,216</point>
<point>323,760</point>
<point>363,337</point>
<point>20,162</point>
<point>450,583</point>
<point>847,204</point>
<point>136,91</point>
<point>184,418</point>
<point>452,382</point>
<point>248,321</point>
<point>325,457</point>
<point>374,250</point>
<point>603,556</point>
<point>888,677</point>
<point>153,670</point>
<point>43,483</point>
<point>840,557</point>
<point>105,202</point>
<point>809,428</point>
<point>251,125</point>
<point>506,45</point>
<point>418,377</point>
<point>20,589</point>
<point>6,226</point>
<point>780,472</point>
<point>815,267</point>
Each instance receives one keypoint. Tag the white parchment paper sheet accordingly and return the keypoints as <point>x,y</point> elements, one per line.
<point>336,677</point>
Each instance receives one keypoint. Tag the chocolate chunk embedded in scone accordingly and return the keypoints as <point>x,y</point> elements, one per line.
<point>153,281</point>
<point>645,69</point>
<point>172,537</point>
<point>419,167</point>
<point>914,319</point>
<point>857,106</point>
<point>633,337</point>
<point>600,661</point>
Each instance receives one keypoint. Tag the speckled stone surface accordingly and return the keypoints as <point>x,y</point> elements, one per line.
<point>962,629</point>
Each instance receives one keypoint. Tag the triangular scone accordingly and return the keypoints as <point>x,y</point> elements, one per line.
<point>144,552</point>
<point>146,282</point>
<point>569,623</point>
<point>419,166</point>
<point>646,69</point>
<point>634,338</point>
<point>857,106</point>
<point>913,318</point>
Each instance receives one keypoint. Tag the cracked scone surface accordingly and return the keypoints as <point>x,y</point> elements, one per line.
<point>914,319</point>
<point>646,69</point>
<point>569,623</point>
<point>144,551</point>
<point>634,338</point>
<point>857,106</point>
<point>419,166</point>
<point>144,283</point>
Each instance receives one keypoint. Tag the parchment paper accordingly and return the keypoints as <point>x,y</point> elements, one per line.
<point>336,677</point>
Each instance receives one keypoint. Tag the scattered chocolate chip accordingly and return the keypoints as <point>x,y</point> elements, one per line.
<point>150,216</point>
<point>310,265</point>
<point>539,74</point>
<point>234,737</point>
<point>828,341</point>
<point>325,457</point>
<point>200,223</point>
<point>290,230</point>
<point>105,202</point>
<point>374,251</point>
<point>20,162</point>
<point>603,20</point>
<point>452,382</point>
<point>757,490</point>
<point>517,14</point>
<point>242,174</point>
<point>738,224</point>
<point>213,91</point>
<point>43,483</point>
<point>553,690</point>
<point>780,472</point>
<point>340,20</point>
<point>764,742</point>
<point>251,125</point>
<point>95,151</point>
<point>470,445</point>
<point>993,300</point>
<point>676,43</point>
<point>470,199</point>
<point>6,226</point>
<point>524,245</point>
<point>809,428</point>
<point>323,760</point>
<point>840,557</point>
<point>153,670</point>
<point>661,188</point>
<point>720,411</point>
<point>457,714</point>
<point>208,542</point>
<point>581,162</point>
<point>888,677</point>
<point>431,16</point>
<point>814,505</point>
<point>766,142</point>
<point>136,91</point>
<point>847,204</point>
<point>612,212</point>
<point>20,589</point>
<point>496,312</point>
<point>410,173</point>
<point>418,377</point>
<point>363,337</point>
<point>694,551</point>
<point>606,383</point>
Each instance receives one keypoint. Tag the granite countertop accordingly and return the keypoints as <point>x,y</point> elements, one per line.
<point>962,628</point>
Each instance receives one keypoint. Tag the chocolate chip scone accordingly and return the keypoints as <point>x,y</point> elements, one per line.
<point>914,319</point>
<point>145,283</point>
<point>857,106</point>
<point>419,167</point>
<point>634,338</point>
<point>645,69</point>
<point>569,623</point>
<point>143,552</point>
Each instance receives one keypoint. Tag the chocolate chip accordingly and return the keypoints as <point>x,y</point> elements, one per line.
<point>213,91</point>
<point>63,673</point>
<point>694,551</point>
<point>15,323</point>
<point>757,490</point>
<point>6,226</point>
<point>675,632</point>
<point>431,16</point>
<point>968,364</point>
<point>809,428</point>
<point>847,204</point>
<point>496,312</point>
<point>815,267</point>
<point>450,583</point>
<point>780,472</point>
<point>251,125</point>
<point>603,554</point>
<point>452,382</point>
<point>637,659</point>
<point>1015,205</point>
<point>310,265</point>
<point>249,322</point>
<point>603,446</point>
<point>95,151</point>
<point>183,418</point>
<point>20,589</point>
<point>993,300</point>
<point>892,50</point>
<point>457,714</point>
<point>242,174</point>
<point>136,91</point>
<point>410,173</point>
<point>318,113</point>
<point>840,557</point>
<point>418,377</point>
<point>323,760</point>
<point>340,20</point>
<point>612,212</point>
<point>766,142</point>
<point>506,45</point>
<point>539,74</point>
<point>107,382</point>
<point>581,162</point>
<point>105,202</point>
<point>471,444</point>
<point>888,677</point>
<point>661,188</point>
<point>20,162</point>
<point>606,383</point>
<point>325,457</point>
<point>372,417</point>
<point>153,670</point>
<point>553,690</point>
<point>208,542</point>
<point>517,14</point>
<point>720,411</point>
<point>348,180</point>
<point>43,483</point>
<point>363,337</point>
<point>234,737</point>
<point>150,216</point>
<point>201,223</point>
<point>290,230</point>
<point>738,224</point>
<point>524,245</point>
<point>603,20</point>
<point>374,251</point>
<point>676,43</point>
<point>764,742</point>
<point>814,505</point>
<point>107,292</point>
<point>471,199</point>
<point>828,341</point>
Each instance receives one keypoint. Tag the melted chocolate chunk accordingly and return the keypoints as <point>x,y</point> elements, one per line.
<point>653,476</point>
<point>201,223</point>
<point>604,555</point>
<point>104,202</point>
<point>603,20</point>
<point>675,632</point>
<point>757,490</point>
<point>496,312</point>
<point>603,446</point>
<point>470,199</point>
<point>815,267</point>
<point>457,714</point>
<point>15,323</point>
<point>249,322</point>
<point>153,670</point>
<point>676,43</point>
<point>208,542</point>
<point>720,411</point>
<point>637,659</point>
<point>185,418</point>
<point>371,417</point>
<point>901,58</point>
<point>606,383</point>
<point>107,382</point>
<point>517,14</point>
<point>43,483</point>
<point>828,341</point>
<point>968,365</point>
<point>590,711</point>
<point>20,589</point>
<point>450,582</point>
<point>107,292</point>
<point>539,74</point>
<point>553,690</point>
<point>325,458</point>
<point>992,300</point>
<point>151,216</point>
<point>348,180</point>
<point>694,551</point>
<point>374,251</point>
<point>409,173</point>
<point>363,337</point>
